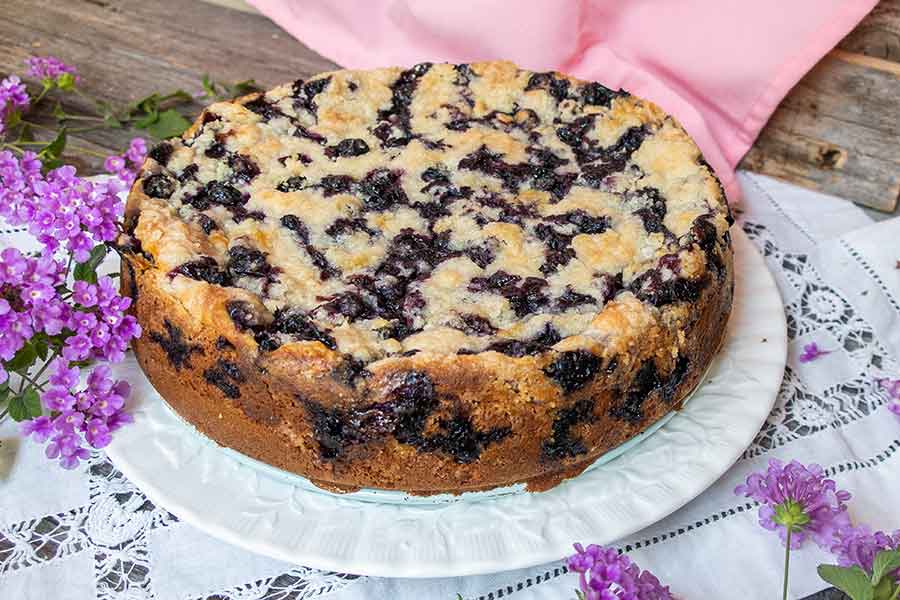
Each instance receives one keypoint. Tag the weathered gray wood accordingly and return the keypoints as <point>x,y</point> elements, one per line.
<point>838,129</point>
<point>126,49</point>
<point>879,34</point>
<point>837,132</point>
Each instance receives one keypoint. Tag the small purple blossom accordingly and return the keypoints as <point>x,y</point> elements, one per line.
<point>126,166</point>
<point>48,68</point>
<point>859,545</point>
<point>798,499</point>
<point>68,421</point>
<point>58,399</point>
<point>67,448</point>
<point>137,151</point>
<point>40,429</point>
<point>13,97</point>
<point>97,433</point>
<point>604,574</point>
<point>811,352</point>
<point>78,416</point>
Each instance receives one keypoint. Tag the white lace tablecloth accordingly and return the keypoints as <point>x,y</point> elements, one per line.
<point>91,534</point>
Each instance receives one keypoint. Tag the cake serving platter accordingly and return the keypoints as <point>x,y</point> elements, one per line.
<point>273,513</point>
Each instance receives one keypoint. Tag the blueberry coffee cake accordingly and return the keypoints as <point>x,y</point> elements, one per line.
<point>435,279</point>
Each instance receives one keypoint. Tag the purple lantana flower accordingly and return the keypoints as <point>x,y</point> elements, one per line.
<point>49,68</point>
<point>126,166</point>
<point>604,574</point>
<point>858,546</point>
<point>811,352</point>
<point>13,97</point>
<point>60,207</point>
<point>88,415</point>
<point>798,502</point>
<point>40,429</point>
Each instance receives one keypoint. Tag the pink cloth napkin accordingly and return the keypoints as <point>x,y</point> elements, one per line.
<point>719,66</point>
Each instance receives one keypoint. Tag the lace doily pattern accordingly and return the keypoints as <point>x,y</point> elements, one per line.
<point>848,389</point>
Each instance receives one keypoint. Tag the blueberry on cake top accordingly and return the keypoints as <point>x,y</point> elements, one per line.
<point>440,278</point>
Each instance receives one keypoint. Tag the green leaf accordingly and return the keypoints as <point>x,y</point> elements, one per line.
<point>54,149</point>
<point>886,561</point>
<point>87,271</point>
<point>216,90</point>
<point>52,163</point>
<point>147,104</point>
<point>208,85</point>
<point>23,359</point>
<point>32,403</point>
<point>145,111</point>
<point>4,391</point>
<point>147,120</point>
<point>112,122</point>
<point>170,124</point>
<point>887,590</point>
<point>17,409</point>
<point>176,97</point>
<point>853,581</point>
<point>242,88</point>
<point>40,343</point>
<point>58,112</point>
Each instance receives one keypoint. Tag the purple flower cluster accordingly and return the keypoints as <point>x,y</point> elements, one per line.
<point>88,415</point>
<point>607,575</point>
<point>800,499</point>
<point>102,329</point>
<point>95,327</point>
<point>13,97</point>
<point>48,68</point>
<point>858,546</point>
<point>29,302</point>
<point>59,207</point>
<point>892,387</point>
<point>125,167</point>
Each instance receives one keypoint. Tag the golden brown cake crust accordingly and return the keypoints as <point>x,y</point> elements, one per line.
<point>564,304</point>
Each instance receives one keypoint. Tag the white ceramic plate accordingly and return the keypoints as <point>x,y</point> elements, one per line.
<point>276,514</point>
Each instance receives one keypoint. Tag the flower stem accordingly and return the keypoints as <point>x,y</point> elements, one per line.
<point>32,382</point>
<point>41,95</point>
<point>14,148</point>
<point>42,369</point>
<point>54,129</point>
<point>896,593</point>
<point>38,125</point>
<point>787,563</point>
<point>82,118</point>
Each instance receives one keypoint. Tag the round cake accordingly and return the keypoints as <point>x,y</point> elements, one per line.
<point>441,279</point>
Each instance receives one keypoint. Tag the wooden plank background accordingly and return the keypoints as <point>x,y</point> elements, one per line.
<point>838,131</point>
